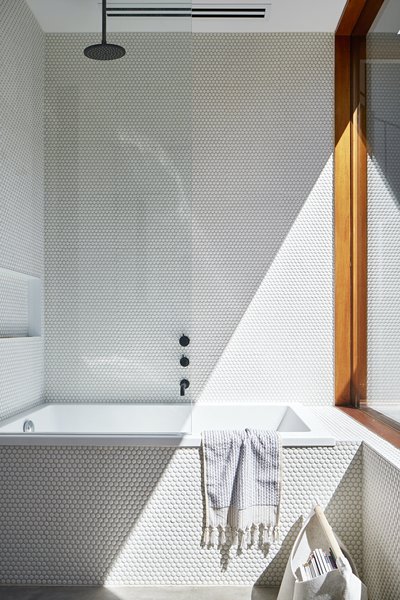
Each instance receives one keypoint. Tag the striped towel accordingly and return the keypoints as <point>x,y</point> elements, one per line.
<point>242,486</point>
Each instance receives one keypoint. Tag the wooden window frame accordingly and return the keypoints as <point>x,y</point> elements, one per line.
<point>350,185</point>
<point>350,199</point>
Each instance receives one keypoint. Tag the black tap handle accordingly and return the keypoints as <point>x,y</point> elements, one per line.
<point>184,361</point>
<point>184,340</point>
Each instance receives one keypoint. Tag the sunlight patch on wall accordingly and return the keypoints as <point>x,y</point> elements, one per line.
<point>284,342</point>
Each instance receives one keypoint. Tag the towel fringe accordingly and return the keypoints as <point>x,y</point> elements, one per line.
<point>221,537</point>
<point>205,539</point>
<point>276,533</point>
<point>253,531</point>
<point>265,537</point>
<point>248,537</point>
<point>213,536</point>
<point>242,538</point>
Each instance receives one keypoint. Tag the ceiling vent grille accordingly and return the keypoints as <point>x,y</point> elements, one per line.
<point>199,11</point>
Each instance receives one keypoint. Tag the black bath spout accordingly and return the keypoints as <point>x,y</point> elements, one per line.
<point>184,385</point>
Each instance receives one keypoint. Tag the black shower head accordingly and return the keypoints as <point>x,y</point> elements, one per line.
<point>104,51</point>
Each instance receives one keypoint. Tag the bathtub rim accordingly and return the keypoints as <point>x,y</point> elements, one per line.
<point>155,441</point>
<point>317,435</point>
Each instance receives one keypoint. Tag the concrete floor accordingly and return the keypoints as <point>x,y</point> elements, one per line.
<point>138,593</point>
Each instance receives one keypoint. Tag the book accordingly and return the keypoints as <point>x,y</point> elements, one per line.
<point>320,556</point>
<point>319,563</point>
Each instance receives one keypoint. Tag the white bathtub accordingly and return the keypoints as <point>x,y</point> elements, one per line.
<point>158,424</point>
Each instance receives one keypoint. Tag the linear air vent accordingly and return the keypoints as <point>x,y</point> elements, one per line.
<point>199,11</point>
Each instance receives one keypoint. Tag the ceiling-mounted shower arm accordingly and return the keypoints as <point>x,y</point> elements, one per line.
<point>104,51</point>
<point>104,22</point>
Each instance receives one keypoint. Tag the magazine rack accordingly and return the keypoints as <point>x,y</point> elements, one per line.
<point>341,584</point>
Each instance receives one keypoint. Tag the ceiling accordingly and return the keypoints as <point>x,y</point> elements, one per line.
<point>281,15</point>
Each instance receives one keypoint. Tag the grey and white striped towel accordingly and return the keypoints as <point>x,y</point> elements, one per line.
<point>242,486</point>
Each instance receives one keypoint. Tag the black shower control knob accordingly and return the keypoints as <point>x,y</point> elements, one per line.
<point>184,340</point>
<point>184,361</point>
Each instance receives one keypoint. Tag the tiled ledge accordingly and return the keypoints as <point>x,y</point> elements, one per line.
<point>344,428</point>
